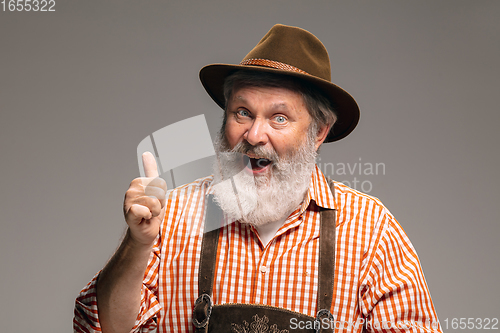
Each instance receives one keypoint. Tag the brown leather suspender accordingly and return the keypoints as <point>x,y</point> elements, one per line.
<point>326,269</point>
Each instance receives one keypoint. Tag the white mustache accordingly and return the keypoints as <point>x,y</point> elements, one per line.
<point>260,152</point>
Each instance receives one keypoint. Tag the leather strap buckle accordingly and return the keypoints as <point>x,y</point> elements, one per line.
<point>202,309</point>
<point>320,317</point>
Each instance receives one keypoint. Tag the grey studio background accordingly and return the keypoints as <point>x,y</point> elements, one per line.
<point>82,86</point>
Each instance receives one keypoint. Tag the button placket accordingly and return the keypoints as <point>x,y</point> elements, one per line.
<point>262,271</point>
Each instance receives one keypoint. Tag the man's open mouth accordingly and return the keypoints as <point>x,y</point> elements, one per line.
<point>256,164</point>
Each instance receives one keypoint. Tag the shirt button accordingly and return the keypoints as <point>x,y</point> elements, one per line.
<point>263,269</point>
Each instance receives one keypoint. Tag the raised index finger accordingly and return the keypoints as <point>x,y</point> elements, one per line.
<point>149,163</point>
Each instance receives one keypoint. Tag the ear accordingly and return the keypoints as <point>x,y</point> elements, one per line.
<point>322,134</point>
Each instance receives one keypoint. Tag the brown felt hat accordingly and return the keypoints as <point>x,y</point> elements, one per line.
<point>295,52</point>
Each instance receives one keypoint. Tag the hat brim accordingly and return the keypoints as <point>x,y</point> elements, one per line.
<point>212,77</point>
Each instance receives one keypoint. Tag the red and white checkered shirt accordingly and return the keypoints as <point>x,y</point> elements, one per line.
<point>379,284</point>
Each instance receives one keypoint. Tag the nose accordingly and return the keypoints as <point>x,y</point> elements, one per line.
<point>257,133</point>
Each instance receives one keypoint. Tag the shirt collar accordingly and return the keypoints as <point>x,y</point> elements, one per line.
<point>319,191</point>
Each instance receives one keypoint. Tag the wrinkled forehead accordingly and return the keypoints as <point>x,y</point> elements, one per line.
<point>284,96</point>
<point>284,84</point>
<point>274,98</point>
<point>248,78</point>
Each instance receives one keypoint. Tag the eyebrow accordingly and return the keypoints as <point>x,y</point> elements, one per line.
<point>280,106</point>
<point>275,106</point>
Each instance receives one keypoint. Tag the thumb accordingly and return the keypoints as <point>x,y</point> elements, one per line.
<point>149,163</point>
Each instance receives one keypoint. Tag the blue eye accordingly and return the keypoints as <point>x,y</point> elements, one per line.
<point>243,113</point>
<point>280,119</point>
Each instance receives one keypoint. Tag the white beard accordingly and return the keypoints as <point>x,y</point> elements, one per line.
<point>262,199</point>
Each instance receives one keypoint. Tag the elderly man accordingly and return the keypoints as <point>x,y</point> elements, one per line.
<point>294,251</point>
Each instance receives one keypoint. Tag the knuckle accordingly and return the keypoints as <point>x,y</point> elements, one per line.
<point>156,208</point>
<point>135,182</point>
<point>132,193</point>
<point>149,202</point>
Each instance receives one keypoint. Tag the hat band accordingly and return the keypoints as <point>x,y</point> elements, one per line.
<point>272,64</point>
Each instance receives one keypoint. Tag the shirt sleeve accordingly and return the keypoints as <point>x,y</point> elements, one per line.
<point>86,316</point>
<point>394,295</point>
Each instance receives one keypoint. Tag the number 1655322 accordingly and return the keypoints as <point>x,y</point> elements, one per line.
<point>28,5</point>
<point>470,323</point>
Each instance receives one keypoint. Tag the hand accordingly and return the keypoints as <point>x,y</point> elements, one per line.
<point>144,204</point>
